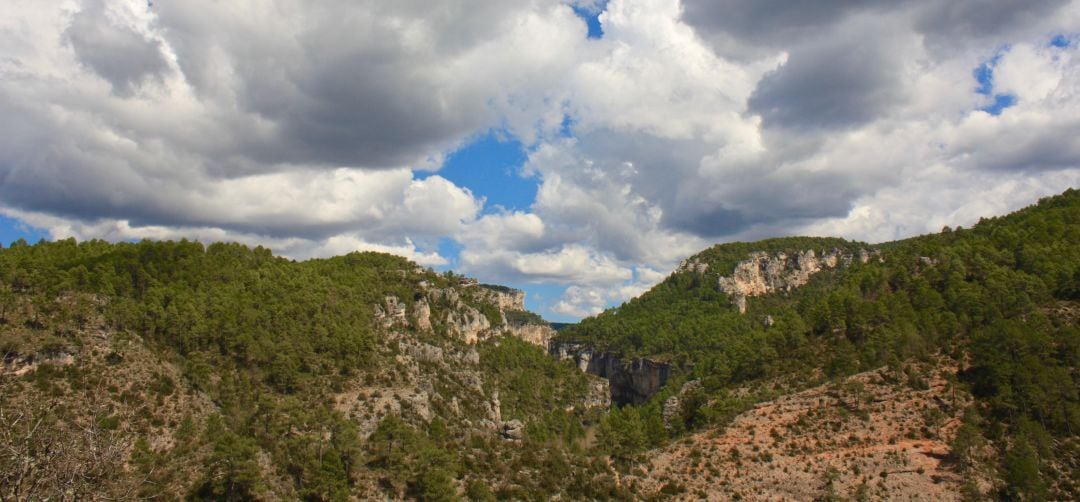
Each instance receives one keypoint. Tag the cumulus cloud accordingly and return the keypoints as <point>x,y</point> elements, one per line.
<point>587,300</point>
<point>302,126</point>
<point>294,121</point>
<point>112,49</point>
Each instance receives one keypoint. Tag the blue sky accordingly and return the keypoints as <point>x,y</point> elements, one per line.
<point>12,230</point>
<point>577,149</point>
<point>491,166</point>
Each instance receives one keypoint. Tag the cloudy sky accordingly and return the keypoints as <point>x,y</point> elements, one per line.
<point>576,149</point>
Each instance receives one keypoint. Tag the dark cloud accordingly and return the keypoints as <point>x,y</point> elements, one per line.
<point>115,52</point>
<point>958,20</point>
<point>753,28</point>
<point>369,84</point>
<point>1032,150</point>
<point>831,85</point>
<point>769,22</point>
<point>713,223</point>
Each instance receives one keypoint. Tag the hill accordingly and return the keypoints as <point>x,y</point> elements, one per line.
<point>996,303</point>
<point>221,372</point>
<point>785,368</point>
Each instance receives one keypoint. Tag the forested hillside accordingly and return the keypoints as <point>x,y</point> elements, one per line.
<point>222,372</point>
<point>185,371</point>
<point>1000,300</point>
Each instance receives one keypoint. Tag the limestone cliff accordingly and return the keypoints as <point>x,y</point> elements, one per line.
<point>467,311</point>
<point>631,381</point>
<point>764,273</point>
<point>536,334</point>
<point>503,297</point>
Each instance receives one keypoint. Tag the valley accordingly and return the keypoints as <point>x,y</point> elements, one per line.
<point>941,366</point>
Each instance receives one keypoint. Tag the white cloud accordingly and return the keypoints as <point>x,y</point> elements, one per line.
<point>580,302</point>
<point>299,125</point>
<point>587,300</point>
<point>567,264</point>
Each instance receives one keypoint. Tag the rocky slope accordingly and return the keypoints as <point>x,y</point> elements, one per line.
<point>993,300</point>
<point>765,273</point>
<point>103,396</point>
<point>882,434</point>
<point>466,311</point>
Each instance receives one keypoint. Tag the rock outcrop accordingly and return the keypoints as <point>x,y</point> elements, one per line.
<point>513,430</point>
<point>672,410</point>
<point>457,310</point>
<point>503,297</point>
<point>536,334</point>
<point>764,273</point>
<point>467,323</point>
<point>391,312</point>
<point>630,382</point>
<point>422,315</point>
<point>599,395</point>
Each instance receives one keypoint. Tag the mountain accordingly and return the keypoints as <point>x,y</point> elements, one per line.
<point>797,368</point>
<point>991,311</point>
<point>223,372</point>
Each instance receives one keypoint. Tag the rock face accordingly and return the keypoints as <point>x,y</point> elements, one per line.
<point>599,395</point>
<point>580,354</point>
<point>18,365</point>
<point>535,334</point>
<point>503,297</point>
<point>765,273</point>
<point>422,315</point>
<point>673,410</point>
<point>513,430</point>
<point>455,310</point>
<point>467,323</point>
<point>631,382</point>
<point>391,312</point>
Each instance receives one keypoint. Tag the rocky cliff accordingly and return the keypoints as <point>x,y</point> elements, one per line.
<point>503,297</point>
<point>536,334</point>
<point>631,381</point>
<point>764,273</point>
<point>468,311</point>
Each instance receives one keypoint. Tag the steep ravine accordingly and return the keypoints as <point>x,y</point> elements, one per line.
<point>631,381</point>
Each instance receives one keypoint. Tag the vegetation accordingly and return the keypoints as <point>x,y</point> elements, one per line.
<point>224,372</point>
<point>995,297</point>
<point>215,372</point>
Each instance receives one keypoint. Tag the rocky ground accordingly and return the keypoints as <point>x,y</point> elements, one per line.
<point>877,435</point>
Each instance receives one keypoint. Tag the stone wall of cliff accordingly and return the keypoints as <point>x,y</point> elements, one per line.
<point>631,381</point>
<point>764,273</point>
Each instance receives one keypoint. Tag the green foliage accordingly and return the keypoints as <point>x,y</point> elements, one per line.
<point>233,471</point>
<point>232,305</point>
<point>412,459</point>
<point>1022,477</point>
<point>987,292</point>
<point>523,317</point>
<point>530,382</point>
<point>269,341</point>
<point>478,491</point>
<point>498,288</point>
<point>624,433</point>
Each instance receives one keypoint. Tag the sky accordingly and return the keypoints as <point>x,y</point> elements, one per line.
<point>576,149</point>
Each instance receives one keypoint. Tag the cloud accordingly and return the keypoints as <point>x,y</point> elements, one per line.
<point>292,247</point>
<point>584,301</point>
<point>114,50</point>
<point>302,126</point>
<point>567,264</point>
<point>298,121</point>
<point>830,84</point>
